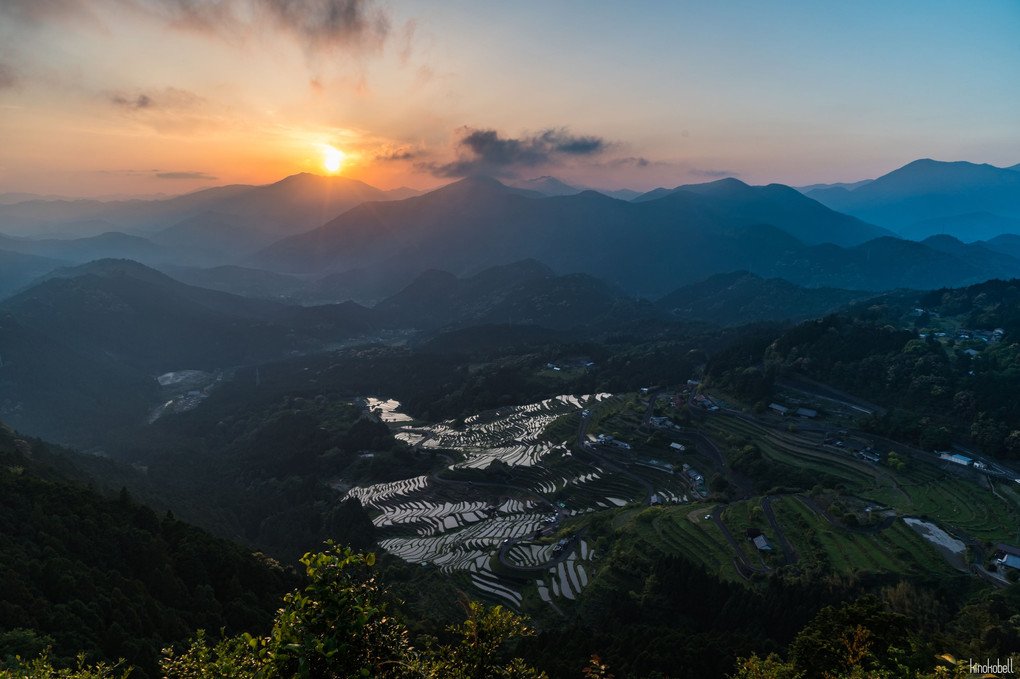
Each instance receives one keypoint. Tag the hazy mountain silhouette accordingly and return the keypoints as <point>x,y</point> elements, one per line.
<point>1008,244</point>
<point>18,270</point>
<point>929,190</point>
<point>291,205</point>
<point>738,204</point>
<point>238,280</point>
<point>740,297</point>
<point>112,244</point>
<point>212,237</point>
<point>522,293</point>
<point>645,247</point>
<point>970,227</point>
<point>547,186</point>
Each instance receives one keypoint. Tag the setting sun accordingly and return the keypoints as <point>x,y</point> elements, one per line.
<point>334,159</point>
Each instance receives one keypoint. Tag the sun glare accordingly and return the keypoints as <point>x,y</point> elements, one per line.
<point>334,159</point>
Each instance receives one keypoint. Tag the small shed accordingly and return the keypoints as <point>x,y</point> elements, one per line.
<point>762,544</point>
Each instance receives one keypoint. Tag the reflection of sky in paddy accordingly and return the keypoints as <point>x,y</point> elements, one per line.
<point>389,410</point>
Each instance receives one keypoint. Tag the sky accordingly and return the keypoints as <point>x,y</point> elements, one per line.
<point>121,97</point>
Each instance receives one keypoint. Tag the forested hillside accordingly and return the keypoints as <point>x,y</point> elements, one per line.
<point>109,577</point>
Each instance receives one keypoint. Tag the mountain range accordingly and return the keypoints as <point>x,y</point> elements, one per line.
<point>928,197</point>
<point>312,240</point>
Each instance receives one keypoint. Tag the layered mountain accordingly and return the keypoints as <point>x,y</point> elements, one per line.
<point>112,244</point>
<point>969,227</point>
<point>18,270</point>
<point>291,205</point>
<point>646,247</point>
<point>81,350</point>
<point>737,204</point>
<point>522,293</point>
<point>740,297</point>
<point>935,194</point>
<point>212,237</point>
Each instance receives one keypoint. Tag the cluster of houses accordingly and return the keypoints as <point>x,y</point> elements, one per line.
<point>663,423</point>
<point>990,336</point>
<point>705,402</point>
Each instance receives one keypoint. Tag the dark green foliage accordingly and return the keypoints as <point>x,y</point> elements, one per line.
<point>821,647</point>
<point>110,577</point>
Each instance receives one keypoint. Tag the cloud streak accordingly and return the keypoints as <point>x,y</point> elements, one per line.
<point>483,151</point>
<point>8,76</point>
<point>185,175</point>
<point>353,25</point>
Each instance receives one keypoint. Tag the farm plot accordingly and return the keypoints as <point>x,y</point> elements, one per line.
<point>453,526</point>
<point>458,549</point>
<point>897,549</point>
<point>375,496</point>
<point>567,578</point>
<point>507,434</point>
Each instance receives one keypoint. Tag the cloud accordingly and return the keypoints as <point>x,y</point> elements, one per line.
<point>168,98</point>
<point>630,162</point>
<point>714,174</point>
<point>39,11</point>
<point>402,153</point>
<point>139,101</point>
<point>331,23</point>
<point>483,151</point>
<point>8,76</point>
<point>317,24</point>
<point>185,175</point>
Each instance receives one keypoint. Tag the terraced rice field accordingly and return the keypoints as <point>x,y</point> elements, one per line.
<point>465,535</point>
<point>567,578</point>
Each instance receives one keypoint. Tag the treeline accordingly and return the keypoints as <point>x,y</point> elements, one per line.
<point>340,624</point>
<point>934,391</point>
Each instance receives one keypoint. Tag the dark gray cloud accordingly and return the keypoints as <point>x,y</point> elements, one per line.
<point>632,161</point>
<point>331,22</point>
<point>185,175</point>
<point>398,154</point>
<point>138,101</point>
<point>318,24</point>
<point>167,99</point>
<point>485,152</point>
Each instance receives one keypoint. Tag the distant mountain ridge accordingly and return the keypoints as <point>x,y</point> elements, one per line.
<point>740,297</point>
<point>930,191</point>
<point>291,205</point>
<point>641,246</point>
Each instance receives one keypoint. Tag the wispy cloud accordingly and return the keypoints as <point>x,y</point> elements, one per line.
<point>8,76</point>
<point>483,151</point>
<point>712,174</point>
<point>317,24</point>
<point>185,175</point>
<point>167,98</point>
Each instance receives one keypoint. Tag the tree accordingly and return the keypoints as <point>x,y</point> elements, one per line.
<point>478,655</point>
<point>337,627</point>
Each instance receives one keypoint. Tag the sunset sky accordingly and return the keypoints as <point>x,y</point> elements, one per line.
<point>104,97</point>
